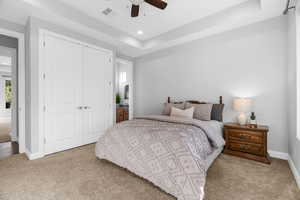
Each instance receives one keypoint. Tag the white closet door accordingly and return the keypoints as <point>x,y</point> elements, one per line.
<point>63,81</point>
<point>97,93</point>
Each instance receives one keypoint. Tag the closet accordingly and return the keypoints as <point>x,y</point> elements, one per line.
<point>77,93</point>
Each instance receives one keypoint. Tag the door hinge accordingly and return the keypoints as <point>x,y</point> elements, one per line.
<point>44,76</point>
<point>110,60</point>
<point>44,140</point>
<point>44,108</point>
<point>44,43</point>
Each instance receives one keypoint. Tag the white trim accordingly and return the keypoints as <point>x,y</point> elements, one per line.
<point>294,171</point>
<point>41,93</point>
<point>70,39</point>
<point>21,84</point>
<point>278,155</point>
<point>131,85</point>
<point>297,24</point>
<point>121,60</point>
<point>33,156</point>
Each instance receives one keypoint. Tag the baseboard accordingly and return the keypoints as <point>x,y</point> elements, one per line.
<point>279,155</point>
<point>295,171</point>
<point>33,156</point>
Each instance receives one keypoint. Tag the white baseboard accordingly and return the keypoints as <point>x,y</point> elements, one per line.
<point>279,155</point>
<point>33,156</point>
<point>295,171</point>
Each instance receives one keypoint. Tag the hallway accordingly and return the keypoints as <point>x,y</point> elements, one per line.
<point>8,149</point>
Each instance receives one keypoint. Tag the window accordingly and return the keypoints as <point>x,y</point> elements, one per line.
<point>123,77</point>
<point>8,94</point>
<point>5,60</point>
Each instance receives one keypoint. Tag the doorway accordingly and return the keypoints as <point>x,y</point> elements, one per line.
<point>124,90</point>
<point>8,96</point>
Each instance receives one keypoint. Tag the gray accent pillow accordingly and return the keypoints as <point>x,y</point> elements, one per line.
<point>202,111</point>
<point>217,112</point>
<point>168,106</point>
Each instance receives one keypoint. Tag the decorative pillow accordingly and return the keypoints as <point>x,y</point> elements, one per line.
<point>202,111</point>
<point>188,113</point>
<point>217,112</point>
<point>168,106</point>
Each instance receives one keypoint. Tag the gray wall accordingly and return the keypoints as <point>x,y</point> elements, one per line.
<point>246,62</point>
<point>9,42</point>
<point>12,43</point>
<point>294,144</point>
<point>12,26</point>
<point>27,88</point>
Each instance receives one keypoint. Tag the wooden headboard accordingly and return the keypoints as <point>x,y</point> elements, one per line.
<point>196,102</point>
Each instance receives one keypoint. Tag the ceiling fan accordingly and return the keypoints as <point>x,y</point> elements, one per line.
<point>136,5</point>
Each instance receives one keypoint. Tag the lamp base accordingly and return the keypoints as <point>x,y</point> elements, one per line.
<point>242,119</point>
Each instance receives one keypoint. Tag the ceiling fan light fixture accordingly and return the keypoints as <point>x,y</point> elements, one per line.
<point>136,2</point>
<point>136,5</point>
<point>140,32</point>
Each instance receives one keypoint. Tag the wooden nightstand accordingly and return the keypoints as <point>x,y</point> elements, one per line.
<point>246,142</point>
<point>122,114</point>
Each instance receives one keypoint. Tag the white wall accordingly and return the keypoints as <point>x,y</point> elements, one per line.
<point>247,62</point>
<point>294,143</point>
<point>16,30</point>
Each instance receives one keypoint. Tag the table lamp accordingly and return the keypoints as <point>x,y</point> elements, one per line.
<point>242,105</point>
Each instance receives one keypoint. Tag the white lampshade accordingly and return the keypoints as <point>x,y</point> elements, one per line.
<point>242,104</point>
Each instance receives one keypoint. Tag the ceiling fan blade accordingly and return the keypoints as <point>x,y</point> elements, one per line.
<point>135,10</point>
<point>157,3</point>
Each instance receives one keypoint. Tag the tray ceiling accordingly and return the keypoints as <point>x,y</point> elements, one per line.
<point>180,22</point>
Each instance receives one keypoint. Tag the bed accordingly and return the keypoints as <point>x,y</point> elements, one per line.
<point>173,153</point>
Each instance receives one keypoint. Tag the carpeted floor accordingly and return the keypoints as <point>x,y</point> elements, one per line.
<point>77,174</point>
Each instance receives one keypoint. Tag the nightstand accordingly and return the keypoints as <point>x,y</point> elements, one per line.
<point>246,142</point>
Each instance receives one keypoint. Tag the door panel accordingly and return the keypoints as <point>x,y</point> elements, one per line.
<point>97,93</point>
<point>63,85</point>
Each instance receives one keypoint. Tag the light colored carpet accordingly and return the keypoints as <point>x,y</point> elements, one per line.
<point>77,174</point>
<point>5,131</point>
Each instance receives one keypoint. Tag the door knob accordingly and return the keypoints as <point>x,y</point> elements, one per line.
<point>86,107</point>
<point>80,107</point>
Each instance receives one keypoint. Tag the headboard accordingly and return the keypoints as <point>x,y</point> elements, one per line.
<point>196,102</point>
<point>217,109</point>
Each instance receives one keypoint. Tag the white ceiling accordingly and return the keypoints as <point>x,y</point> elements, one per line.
<point>151,21</point>
<point>180,22</point>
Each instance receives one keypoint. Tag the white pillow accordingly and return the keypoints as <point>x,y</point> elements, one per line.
<point>188,113</point>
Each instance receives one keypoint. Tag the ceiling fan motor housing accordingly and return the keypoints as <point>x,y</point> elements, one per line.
<point>136,5</point>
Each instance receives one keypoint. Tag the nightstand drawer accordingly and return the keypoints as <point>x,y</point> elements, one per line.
<point>248,148</point>
<point>246,136</point>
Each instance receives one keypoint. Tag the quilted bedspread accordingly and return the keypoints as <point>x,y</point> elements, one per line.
<point>169,152</point>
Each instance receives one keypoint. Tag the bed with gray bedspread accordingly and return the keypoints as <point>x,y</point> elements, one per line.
<point>172,153</point>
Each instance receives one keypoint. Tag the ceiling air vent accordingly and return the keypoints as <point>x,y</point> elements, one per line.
<point>107,11</point>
